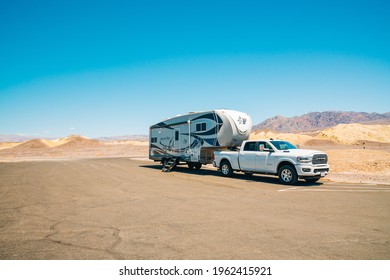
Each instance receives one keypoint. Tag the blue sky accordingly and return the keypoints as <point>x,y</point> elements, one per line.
<point>105,68</point>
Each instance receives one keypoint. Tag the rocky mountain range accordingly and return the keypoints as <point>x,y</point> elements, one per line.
<point>19,138</point>
<point>320,120</point>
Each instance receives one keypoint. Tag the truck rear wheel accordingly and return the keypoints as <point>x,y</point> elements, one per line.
<point>287,175</point>
<point>198,165</point>
<point>226,169</point>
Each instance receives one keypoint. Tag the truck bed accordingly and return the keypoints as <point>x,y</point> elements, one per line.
<point>232,155</point>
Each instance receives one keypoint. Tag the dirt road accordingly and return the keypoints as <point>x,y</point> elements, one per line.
<point>127,209</point>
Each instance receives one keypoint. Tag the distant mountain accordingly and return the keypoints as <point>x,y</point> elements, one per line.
<point>320,120</point>
<point>124,137</point>
<point>18,138</point>
<point>22,138</point>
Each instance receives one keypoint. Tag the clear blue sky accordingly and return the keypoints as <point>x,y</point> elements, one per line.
<point>105,68</point>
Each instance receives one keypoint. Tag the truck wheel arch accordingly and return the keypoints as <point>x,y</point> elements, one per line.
<point>285,162</point>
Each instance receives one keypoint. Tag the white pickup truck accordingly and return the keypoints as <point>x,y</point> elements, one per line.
<point>274,157</point>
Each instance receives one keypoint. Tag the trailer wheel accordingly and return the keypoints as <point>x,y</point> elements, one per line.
<point>226,169</point>
<point>287,175</point>
<point>190,165</point>
<point>198,165</point>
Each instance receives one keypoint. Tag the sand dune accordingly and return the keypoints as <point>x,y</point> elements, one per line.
<point>75,141</point>
<point>290,137</point>
<point>7,145</point>
<point>319,142</point>
<point>351,133</point>
<point>31,144</point>
<point>347,134</point>
<point>72,141</point>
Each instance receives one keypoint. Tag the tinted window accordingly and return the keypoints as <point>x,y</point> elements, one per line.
<point>283,145</point>
<point>250,146</point>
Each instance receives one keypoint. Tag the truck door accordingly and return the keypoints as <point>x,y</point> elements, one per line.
<point>248,156</point>
<point>264,159</point>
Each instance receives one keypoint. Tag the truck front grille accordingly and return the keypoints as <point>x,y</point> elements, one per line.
<point>320,159</point>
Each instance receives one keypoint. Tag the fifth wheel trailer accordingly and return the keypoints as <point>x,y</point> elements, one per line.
<point>192,138</point>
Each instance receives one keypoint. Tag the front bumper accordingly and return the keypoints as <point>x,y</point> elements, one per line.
<point>310,170</point>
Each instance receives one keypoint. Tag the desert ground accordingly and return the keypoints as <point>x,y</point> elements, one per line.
<point>121,208</point>
<point>79,198</point>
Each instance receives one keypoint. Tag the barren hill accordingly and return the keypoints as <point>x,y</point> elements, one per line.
<point>72,141</point>
<point>30,144</point>
<point>320,120</point>
<point>75,141</point>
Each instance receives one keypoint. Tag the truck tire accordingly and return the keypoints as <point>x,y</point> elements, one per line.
<point>287,175</point>
<point>226,169</point>
<point>190,165</point>
<point>198,165</point>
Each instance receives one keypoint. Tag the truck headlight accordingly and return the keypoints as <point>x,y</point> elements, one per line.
<point>304,159</point>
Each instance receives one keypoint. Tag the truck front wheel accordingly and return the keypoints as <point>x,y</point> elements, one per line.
<point>226,169</point>
<point>287,175</point>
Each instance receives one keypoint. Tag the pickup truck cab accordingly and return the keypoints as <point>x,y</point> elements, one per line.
<point>274,157</point>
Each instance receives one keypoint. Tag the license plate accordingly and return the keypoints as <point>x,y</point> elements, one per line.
<point>322,174</point>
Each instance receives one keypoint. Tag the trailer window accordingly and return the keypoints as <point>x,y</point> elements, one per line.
<point>201,127</point>
<point>176,135</point>
<point>153,140</point>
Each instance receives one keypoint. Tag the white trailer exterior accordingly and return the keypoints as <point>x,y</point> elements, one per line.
<point>193,137</point>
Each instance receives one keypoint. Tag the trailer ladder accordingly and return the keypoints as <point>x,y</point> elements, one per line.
<point>168,165</point>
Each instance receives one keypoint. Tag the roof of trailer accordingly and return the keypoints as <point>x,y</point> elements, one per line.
<point>164,122</point>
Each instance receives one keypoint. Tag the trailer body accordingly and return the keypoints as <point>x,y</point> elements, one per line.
<point>194,137</point>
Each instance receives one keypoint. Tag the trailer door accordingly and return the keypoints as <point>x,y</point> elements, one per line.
<point>177,140</point>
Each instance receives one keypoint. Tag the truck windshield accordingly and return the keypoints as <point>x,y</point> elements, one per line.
<point>283,145</point>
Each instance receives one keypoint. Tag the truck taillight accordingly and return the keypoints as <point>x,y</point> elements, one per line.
<point>212,157</point>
